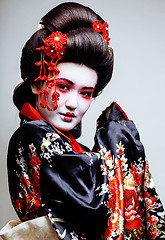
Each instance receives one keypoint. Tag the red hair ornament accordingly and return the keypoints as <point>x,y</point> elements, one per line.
<point>103,29</point>
<point>54,46</point>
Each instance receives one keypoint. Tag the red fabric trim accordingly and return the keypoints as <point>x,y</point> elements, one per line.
<point>121,110</point>
<point>31,113</point>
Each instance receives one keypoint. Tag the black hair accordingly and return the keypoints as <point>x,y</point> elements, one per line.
<point>84,46</point>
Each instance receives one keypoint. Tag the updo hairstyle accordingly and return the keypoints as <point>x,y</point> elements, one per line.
<point>84,46</point>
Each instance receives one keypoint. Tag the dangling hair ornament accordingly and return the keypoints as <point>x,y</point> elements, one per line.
<point>103,29</point>
<point>54,46</point>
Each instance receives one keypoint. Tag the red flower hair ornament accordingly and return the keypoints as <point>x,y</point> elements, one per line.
<point>103,29</point>
<point>54,46</point>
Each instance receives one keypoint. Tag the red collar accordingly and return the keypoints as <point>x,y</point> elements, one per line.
<point>31,113</point>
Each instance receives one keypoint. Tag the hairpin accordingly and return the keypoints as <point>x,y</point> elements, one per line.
<point>54,46</point>
<point>103,29</point>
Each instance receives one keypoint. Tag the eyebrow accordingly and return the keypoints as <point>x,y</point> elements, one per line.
<point>65,79</point>
<point>70,82</point>
<point>88,88</point>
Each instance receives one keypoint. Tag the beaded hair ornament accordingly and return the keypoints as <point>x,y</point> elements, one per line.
<point>54,46</point>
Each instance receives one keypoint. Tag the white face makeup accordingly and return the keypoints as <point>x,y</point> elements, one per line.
<point>75,84</point>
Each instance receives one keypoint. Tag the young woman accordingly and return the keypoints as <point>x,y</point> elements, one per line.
<point>106,193</point>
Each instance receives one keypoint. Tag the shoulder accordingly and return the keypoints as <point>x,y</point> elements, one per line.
<point>38,124</point>
<point>32,131</point>
<point>33,127</point>
<point>26,138</point>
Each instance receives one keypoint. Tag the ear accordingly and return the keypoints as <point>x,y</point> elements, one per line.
<point>34,88</point>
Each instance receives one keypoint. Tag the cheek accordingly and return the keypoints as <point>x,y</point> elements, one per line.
<point>61,100</point>
<point>85,104</point>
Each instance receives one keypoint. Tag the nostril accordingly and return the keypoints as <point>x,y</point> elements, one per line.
<point>71,107</point>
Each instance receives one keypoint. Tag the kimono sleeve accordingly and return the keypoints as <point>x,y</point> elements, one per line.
<point>155,217</point>
<point>24,173</point>
<point>143,214</point>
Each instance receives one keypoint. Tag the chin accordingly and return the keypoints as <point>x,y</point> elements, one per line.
<point>64,128</point>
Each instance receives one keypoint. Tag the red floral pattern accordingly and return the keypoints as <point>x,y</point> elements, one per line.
<point>25,181</point>
<point>34,161</point>
<point>125,198</point>
<point>116,202</point>
<point>132,211</point>
<point>30,196</point>
<point>137,176</point>
<point>152,228</point>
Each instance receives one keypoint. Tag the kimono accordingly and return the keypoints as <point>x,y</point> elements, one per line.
<point>106,193</point>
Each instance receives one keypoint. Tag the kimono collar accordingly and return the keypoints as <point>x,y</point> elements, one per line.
<point>31,113</point>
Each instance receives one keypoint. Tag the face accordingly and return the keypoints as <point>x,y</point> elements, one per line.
<point>75,83</point>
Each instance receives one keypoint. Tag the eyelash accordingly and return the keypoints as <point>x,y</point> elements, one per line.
<point>86,94</point>
<point>65,88</point>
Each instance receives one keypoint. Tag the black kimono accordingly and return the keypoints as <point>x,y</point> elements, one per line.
<point>106,193</point>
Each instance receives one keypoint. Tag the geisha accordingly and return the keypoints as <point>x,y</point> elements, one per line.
<point>59,188</point>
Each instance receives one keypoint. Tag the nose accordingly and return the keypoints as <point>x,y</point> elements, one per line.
<point>72,101</point>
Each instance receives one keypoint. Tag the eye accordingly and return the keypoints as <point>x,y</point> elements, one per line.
<point>86,94</point>
<point>63,87</point>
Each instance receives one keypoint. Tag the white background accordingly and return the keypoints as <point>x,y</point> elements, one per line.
<point>137,29</point>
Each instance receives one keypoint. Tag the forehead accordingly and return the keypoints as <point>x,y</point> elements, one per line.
<point>77,73</point>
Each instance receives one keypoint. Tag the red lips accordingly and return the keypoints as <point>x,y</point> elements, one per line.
<point>69,114</point>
